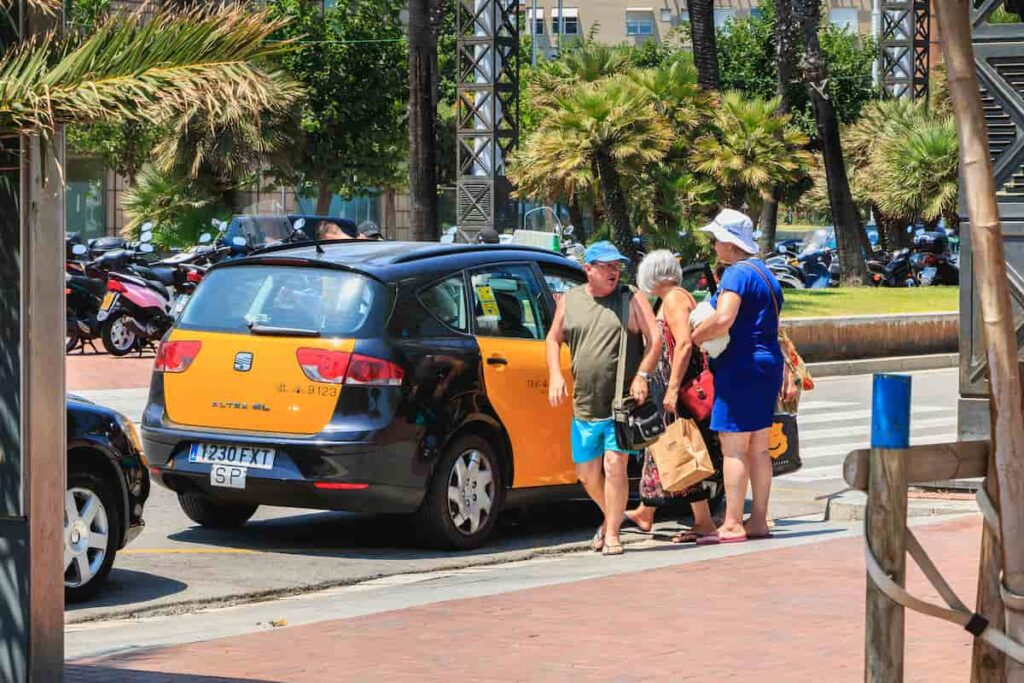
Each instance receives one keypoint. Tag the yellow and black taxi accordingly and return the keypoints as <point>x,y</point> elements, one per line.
<point>365,376</point>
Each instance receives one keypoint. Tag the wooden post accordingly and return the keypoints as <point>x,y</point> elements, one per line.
<point>994,298</point>
<point>988,665</point>
<point>886,524</point>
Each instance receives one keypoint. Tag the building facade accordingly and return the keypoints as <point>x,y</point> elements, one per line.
<point>634,21</point>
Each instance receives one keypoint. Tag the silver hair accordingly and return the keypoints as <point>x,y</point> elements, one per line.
<point>659,267</point>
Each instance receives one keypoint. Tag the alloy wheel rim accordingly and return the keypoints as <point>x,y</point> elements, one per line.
<point>86,536</point>
<point>120,335</point>
<point>470,492</point>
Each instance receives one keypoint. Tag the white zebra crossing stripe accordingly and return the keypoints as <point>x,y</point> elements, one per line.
<point>814,406</point>
<point>865,415</point>
<point>841,449</point>
<point>827,433</point>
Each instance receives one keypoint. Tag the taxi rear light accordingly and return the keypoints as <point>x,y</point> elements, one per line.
<point>353,369</point>
<point>366,371</point>
<point>322,365</point>
<point>176,356</point>
<point>115,286</point>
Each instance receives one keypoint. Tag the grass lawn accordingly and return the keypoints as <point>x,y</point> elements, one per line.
<point>823,303</point>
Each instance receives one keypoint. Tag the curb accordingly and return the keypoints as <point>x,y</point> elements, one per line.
<point>850,506</point>
<point>869,366</point>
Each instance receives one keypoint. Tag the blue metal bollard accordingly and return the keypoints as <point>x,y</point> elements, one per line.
<point>890,411</point>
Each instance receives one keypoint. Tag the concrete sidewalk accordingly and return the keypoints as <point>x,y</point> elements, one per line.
<point>774,614</point>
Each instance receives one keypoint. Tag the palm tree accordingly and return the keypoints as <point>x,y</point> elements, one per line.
<point>751,150</point>
<point>705,49</point>
<point>611,127</point>
<point>918,173</point>
<point>850,235</point>
<point>152,71</point>
<point>880,121</point>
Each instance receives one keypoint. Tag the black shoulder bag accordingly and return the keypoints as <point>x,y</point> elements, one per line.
<point>636,425</point>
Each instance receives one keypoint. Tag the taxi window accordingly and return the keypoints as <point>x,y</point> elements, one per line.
<point>507,303</point>
<point>559,282</point>
<point>446,301</point>
<point>328,302</point>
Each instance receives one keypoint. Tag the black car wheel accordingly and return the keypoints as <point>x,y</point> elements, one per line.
<point>118,340</point>
<point>464,497</point>
<point>215,514</point>
<point>92,526</point>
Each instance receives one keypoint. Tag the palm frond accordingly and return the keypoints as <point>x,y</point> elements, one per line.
<point>172,64</point>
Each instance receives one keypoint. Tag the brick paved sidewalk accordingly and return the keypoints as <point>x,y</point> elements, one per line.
<point>791,615</point>
<point>100,371</point>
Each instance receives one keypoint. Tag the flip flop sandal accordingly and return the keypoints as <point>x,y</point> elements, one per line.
<point>716,539</point>
<point>597,545</point>
<point>612,549</point>
<point>689,536</point>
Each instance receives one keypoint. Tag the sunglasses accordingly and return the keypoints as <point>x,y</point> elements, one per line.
<point>609,265</point>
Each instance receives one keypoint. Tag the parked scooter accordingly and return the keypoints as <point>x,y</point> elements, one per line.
<point>931,260</point>
<point>135,311</point>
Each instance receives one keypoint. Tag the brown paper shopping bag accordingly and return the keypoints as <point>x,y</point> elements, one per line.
<point>681,456</point>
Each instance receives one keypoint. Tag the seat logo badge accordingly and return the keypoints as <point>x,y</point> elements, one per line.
<point>243,361</point>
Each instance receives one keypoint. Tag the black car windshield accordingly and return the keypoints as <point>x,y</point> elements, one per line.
<point>315,301</point>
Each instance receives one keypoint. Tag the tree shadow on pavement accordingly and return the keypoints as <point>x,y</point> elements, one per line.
<point>91,673</point>
<point>127,587</point>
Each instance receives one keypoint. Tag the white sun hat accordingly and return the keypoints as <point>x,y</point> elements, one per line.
<point>733,227</point>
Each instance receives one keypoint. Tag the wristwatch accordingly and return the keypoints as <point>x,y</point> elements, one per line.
<point>645,375</point>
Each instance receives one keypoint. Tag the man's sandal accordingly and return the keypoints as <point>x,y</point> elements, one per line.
<point>690,536</point>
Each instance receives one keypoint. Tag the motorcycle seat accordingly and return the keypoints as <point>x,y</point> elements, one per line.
<point>164,276</point>
<point>90,284</point>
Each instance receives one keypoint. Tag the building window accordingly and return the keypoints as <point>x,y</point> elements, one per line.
<point>666,15</point>
<point>572,21</point>
<point>723,17</point>
<point>639,22</point>
<point>85,198</point>
<point>845,18</point>
<point>756,13</point>
<point>536,22</point>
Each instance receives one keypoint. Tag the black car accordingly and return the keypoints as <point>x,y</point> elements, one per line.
<point>107,488</point>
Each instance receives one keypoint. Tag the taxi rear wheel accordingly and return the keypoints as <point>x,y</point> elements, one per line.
<point>464,498</point>
<point>215,514</point>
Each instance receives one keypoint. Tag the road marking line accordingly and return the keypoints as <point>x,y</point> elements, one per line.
<point>862,414</point>
<point>860,430</point>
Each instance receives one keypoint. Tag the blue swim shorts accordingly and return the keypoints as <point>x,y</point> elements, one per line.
<point>591,438</point>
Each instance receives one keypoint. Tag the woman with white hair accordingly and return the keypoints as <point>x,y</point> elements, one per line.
<point>748,373</point>
<point>659,276</point>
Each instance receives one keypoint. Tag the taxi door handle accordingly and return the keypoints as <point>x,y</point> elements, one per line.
<point>497,360</point>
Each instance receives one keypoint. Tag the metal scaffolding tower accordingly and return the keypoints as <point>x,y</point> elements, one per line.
<point>904,37</point>
<point>487,112</point>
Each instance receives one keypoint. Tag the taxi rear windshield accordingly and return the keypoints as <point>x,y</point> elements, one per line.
<point>315,301</point>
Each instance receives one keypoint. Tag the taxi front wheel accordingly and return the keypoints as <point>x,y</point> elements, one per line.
<point>465,495</point>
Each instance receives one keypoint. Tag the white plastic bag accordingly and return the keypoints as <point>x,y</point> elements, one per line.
<point>713,347</point>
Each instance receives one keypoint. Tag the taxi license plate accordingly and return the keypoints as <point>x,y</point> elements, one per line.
<point>227,476</point>
<point>108,301</point>
<point>235,456</point>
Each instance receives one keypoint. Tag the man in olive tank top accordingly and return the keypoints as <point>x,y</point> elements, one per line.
<point>588,319</point>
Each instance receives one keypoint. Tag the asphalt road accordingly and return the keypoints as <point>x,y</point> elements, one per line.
<point>176,567</point>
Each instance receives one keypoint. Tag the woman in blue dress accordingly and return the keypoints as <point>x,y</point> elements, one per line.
<point>748,374</point>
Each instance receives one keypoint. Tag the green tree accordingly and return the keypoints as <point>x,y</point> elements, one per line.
<point>608,127</point>
<point>147,71</point>
<point>350,133</point>
<point>751,150</point>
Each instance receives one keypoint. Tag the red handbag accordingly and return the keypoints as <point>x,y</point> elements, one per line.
<point>697,393</point>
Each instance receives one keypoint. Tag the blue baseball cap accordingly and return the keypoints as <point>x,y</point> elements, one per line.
<point>603,252</point>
